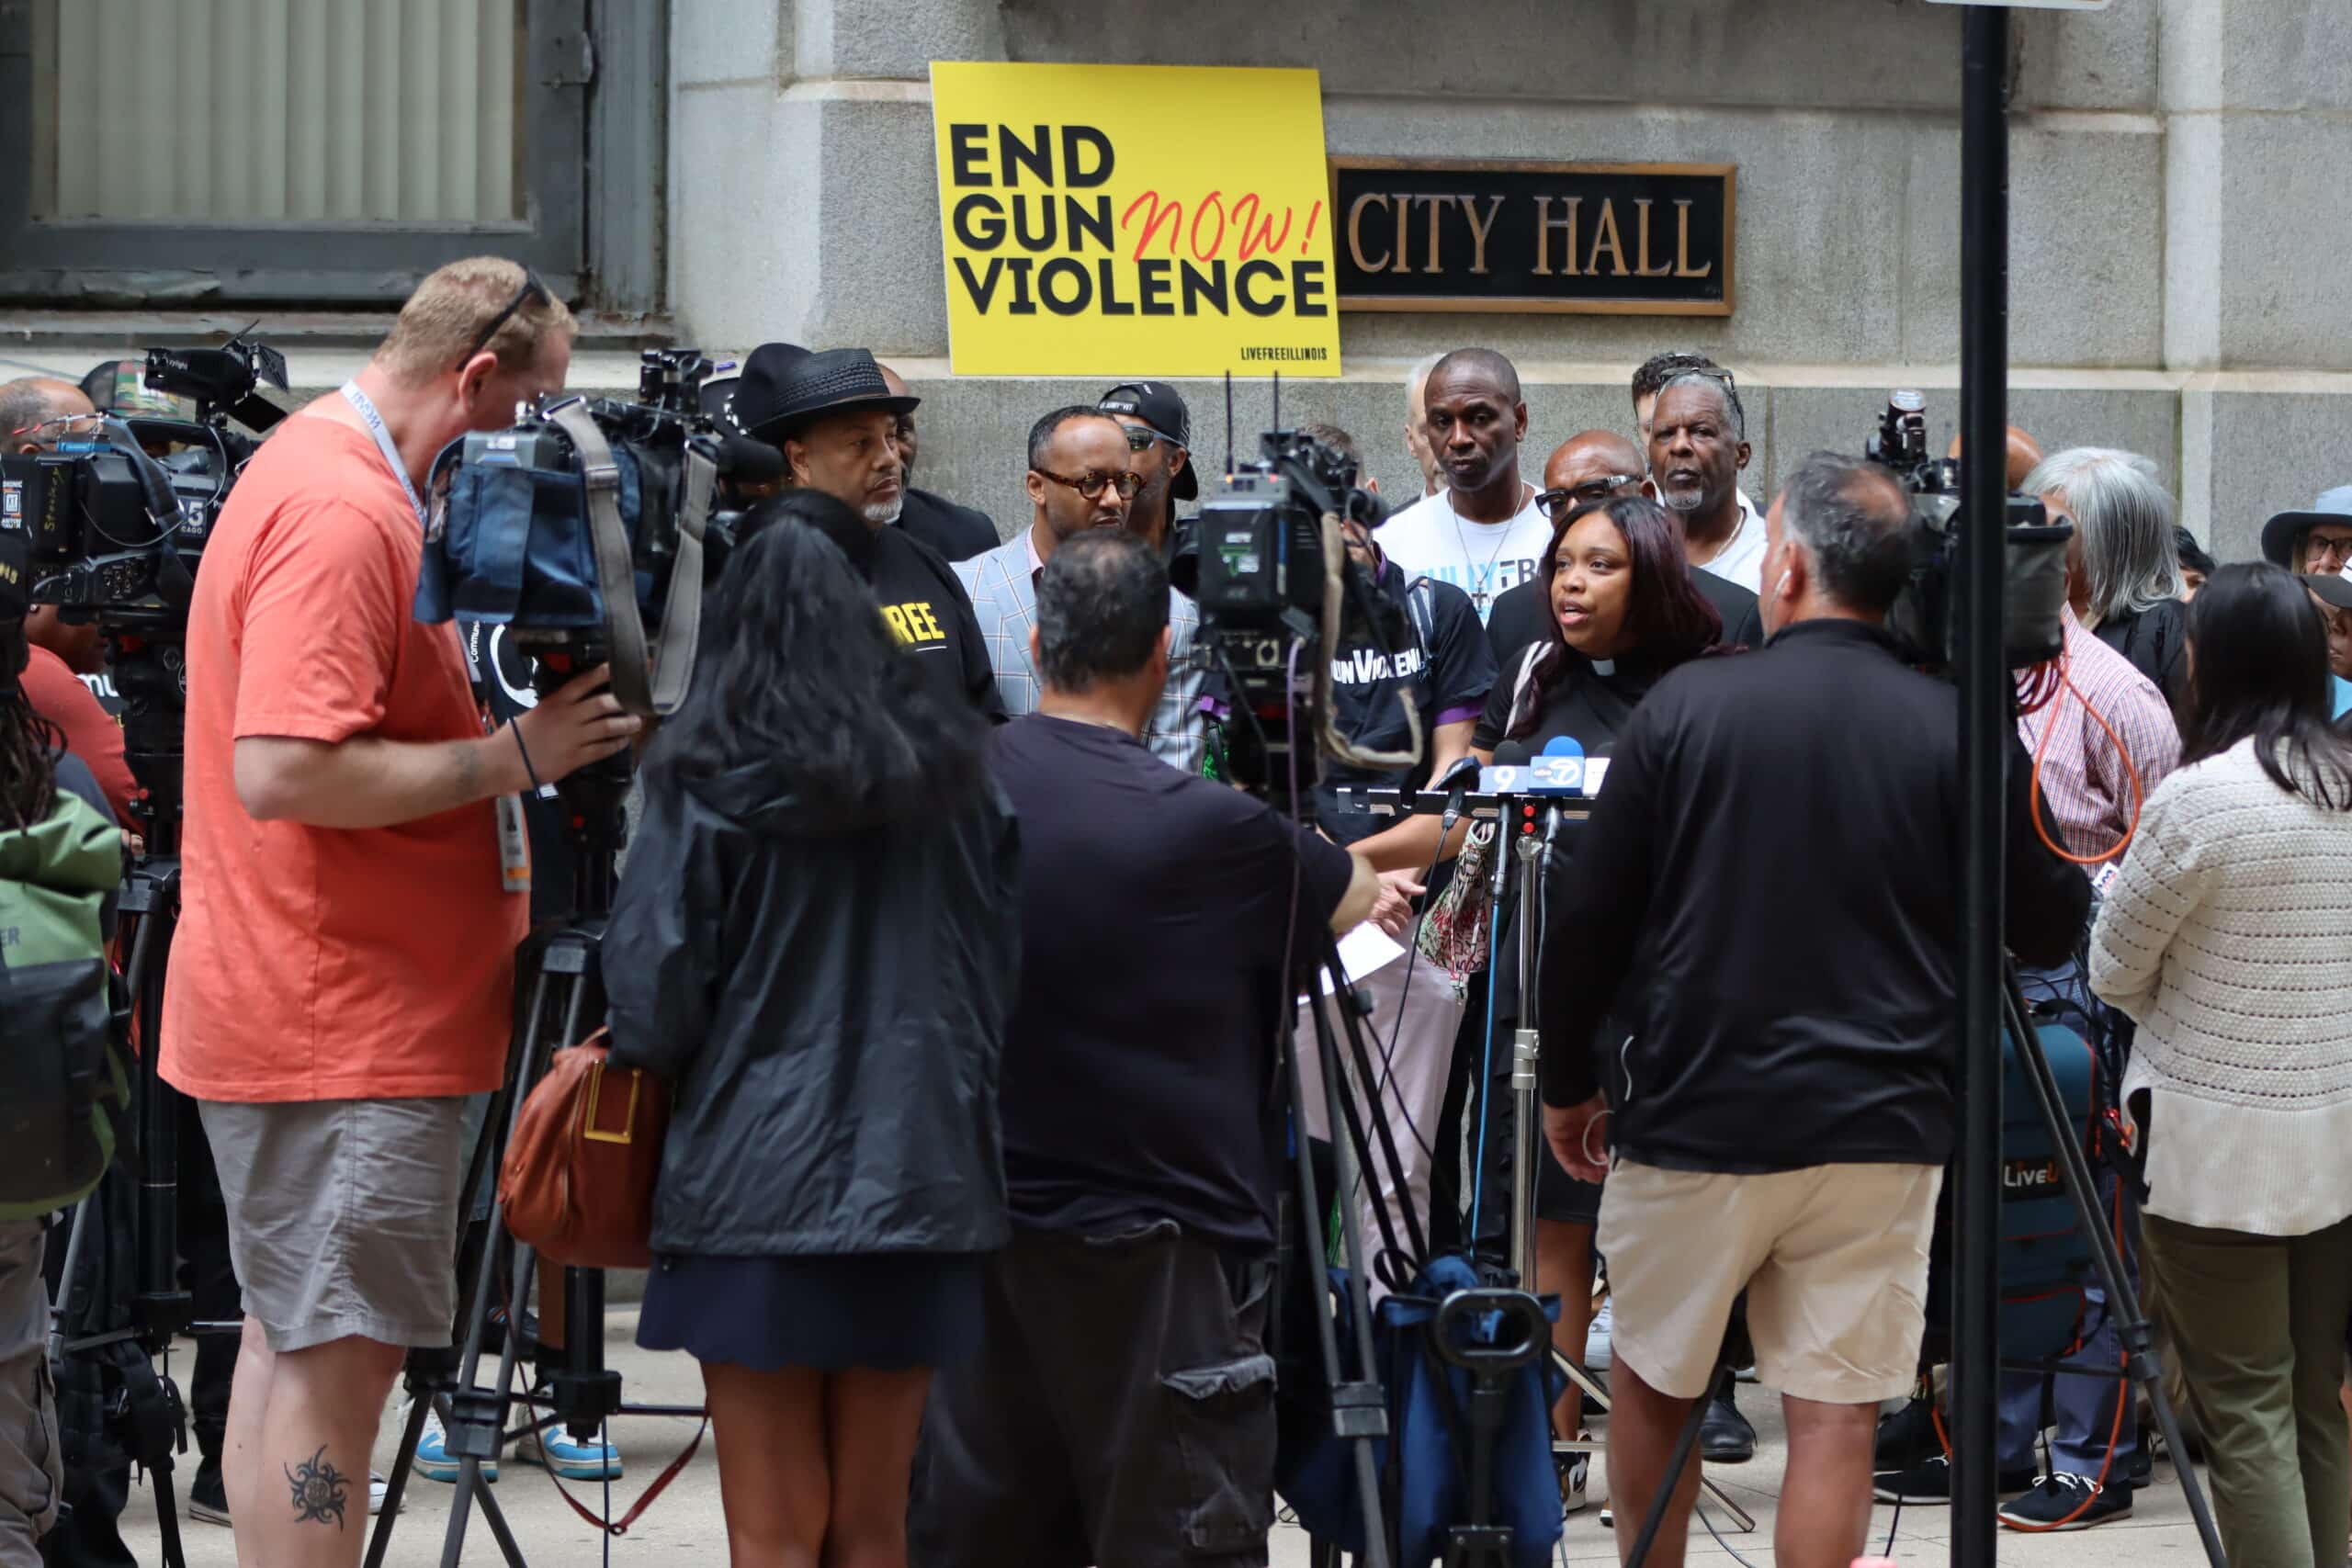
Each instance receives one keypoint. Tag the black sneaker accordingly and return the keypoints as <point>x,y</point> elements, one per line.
<point>1929,1482</point>
<point>1724,1436</point>
<point>1906,1440</point>
<point>205,1498</point>
<point>2066,1502</point>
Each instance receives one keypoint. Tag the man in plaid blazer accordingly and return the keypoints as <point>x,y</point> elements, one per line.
<point>1080,478</point>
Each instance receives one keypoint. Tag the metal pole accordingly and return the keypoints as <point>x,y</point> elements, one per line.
<point>1527,1122</point>
<point>1982,675</point>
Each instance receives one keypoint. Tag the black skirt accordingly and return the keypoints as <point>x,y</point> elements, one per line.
<point>829,1313</point>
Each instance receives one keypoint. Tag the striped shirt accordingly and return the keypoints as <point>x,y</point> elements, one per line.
<point>2083,776</point>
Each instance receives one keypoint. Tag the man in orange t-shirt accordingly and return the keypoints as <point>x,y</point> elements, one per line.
<point>343,976</point>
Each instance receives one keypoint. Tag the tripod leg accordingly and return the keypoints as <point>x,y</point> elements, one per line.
<point>1686,1442</point>
<point>2132,1322</point>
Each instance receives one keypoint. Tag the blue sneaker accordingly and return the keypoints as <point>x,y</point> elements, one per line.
<point>434,1460</point>
<point>559,1451</point>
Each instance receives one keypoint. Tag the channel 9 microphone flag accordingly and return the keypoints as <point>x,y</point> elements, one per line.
<point>1108,220</point>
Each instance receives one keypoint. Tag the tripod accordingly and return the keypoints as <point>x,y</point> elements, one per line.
<point>559,965</point>
<point>146,655</point>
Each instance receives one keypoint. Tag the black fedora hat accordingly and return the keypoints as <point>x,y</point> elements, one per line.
<point>2280,533</point>
<point>784,386</point>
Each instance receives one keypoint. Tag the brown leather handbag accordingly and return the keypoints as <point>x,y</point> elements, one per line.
<point>578,1181</point>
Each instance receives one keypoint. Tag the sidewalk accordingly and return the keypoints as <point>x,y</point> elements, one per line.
<point>685,1526</point>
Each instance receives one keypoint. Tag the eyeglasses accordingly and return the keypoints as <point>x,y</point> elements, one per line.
<point>1141,436</point>
<point>2336,547</point>
<point>1554,503</point>
<point>1091,485</point>
<point>531,286</point>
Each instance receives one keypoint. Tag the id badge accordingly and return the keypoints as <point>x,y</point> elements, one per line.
<point>514,847</point>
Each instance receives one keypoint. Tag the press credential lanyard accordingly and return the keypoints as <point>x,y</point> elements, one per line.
<point>514,844</point>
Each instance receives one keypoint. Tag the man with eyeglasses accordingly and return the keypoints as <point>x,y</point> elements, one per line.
<point>1160,436</point>
<point>343,976</point>
<point>1081,477</point>
<point>1590,468</point>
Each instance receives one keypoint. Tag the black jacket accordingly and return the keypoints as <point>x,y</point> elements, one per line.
<point>1772,873</point>
<point>2156,642</point>
<point>1521,615</point>
<point>829,1001</point>
<point>958,533</point>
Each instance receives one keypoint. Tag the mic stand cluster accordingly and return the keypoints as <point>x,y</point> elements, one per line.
<point>1528,823</point>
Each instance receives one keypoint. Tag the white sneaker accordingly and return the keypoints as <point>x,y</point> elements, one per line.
<point>1574,1470</point>
<point>1596,1357</point>
<point>375,1490</point>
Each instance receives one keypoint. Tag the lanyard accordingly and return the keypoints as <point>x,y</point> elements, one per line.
<point>366,407</point>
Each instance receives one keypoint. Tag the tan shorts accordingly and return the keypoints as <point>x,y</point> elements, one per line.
<point>1834,1259</point>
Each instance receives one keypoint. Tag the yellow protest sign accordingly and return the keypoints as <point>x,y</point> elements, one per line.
<point>1134,220</point>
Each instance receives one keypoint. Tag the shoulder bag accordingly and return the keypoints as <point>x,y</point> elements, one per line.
<point>577,1183</point>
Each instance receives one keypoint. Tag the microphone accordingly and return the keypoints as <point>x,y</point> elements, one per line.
<point>1457,782</point>
<point>1560,770</point>
<point>1507,774</point>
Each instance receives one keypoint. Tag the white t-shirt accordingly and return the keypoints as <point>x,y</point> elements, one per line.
<point>1741,560</point>
<point>1430,538</point>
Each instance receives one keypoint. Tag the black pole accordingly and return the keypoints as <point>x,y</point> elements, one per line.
<point>1982,675</point>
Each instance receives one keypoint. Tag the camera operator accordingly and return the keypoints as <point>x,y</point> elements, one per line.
<point>1767,898</point>
<point>1081,475</point>
<point>1121,1408</point>
<point>343,974</point>
<point>836,421</point>
<point>59,844</point>
<point>36,412</point>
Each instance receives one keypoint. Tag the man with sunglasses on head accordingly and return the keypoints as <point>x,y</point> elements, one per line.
<point>1082,475</point>
<point>1698,446</point>
<point>1160,435</point>
<point>343,976</point>
<point>1590,468</point>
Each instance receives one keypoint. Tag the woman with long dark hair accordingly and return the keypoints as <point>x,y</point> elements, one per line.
<point>2222,937</point>
<point>815,940</point>
<point>1623,612</point>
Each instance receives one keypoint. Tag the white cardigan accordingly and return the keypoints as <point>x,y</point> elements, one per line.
<point>2227,935</point>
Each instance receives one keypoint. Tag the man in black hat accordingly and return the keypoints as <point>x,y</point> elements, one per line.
<point>1160,433</point>
<point>958,533</point>
<point>2318,541</point>
<point>836,421</point>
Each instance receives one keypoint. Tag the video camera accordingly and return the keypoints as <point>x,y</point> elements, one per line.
<point>118,517</point>
<point>2034,572</point>
<point>1279,596</point>
<point>591,527</point>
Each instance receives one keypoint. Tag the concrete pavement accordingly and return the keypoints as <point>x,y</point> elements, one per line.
<point>685,1527</point>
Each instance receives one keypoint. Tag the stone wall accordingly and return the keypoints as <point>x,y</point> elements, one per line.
<point>2178,208</point>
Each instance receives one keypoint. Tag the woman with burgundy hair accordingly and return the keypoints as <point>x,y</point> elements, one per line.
<point>1623,611</point>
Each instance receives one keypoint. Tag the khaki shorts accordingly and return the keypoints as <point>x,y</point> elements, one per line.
<point>343,1215</point>
<point>1834,1259</point>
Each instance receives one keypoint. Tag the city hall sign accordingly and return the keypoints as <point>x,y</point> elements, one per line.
<point>1626,238</point>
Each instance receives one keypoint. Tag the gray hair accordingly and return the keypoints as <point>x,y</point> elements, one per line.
<point>1716,382</point>
<point>1417,377</point>
<point>1101,604</point>
<point>2126,517</point>
<point>1853,518</point>
<point>23,403</point>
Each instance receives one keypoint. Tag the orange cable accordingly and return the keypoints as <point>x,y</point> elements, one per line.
<point>2049,731</point>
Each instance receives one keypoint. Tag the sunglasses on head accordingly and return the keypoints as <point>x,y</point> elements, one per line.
<point>531,286</point>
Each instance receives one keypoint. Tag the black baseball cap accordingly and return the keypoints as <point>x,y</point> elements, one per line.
<point>1158,405</point>
<point>2334,590</point>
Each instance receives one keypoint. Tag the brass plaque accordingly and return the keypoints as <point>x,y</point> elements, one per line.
<point>1624,239</point>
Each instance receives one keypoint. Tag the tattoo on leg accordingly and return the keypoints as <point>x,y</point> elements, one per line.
<point>319,1490</point>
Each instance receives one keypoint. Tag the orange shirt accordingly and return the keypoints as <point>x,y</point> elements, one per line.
<point>90,732</point>
<point>318,963</point>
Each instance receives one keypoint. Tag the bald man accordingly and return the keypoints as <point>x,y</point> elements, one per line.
<point>1480,530</point>
<point>1597,465</point>
<point>958,533</point>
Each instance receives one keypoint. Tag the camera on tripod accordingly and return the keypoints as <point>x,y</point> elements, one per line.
<point>1269,568</point>
<point>2034,569</point>
<point>117,519</point>
<point>591,527</point>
